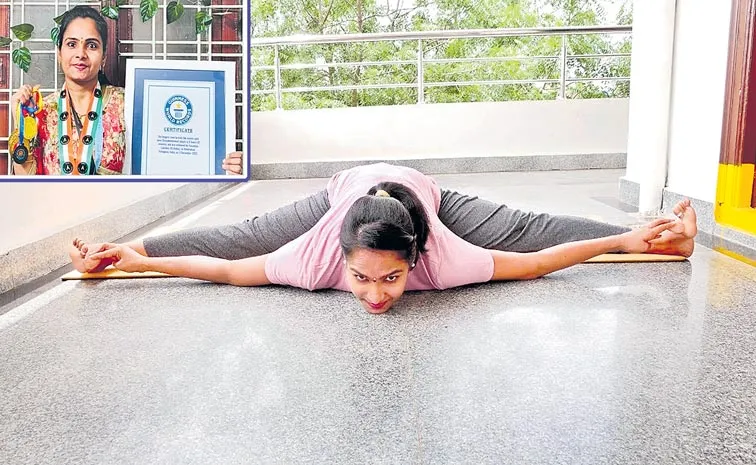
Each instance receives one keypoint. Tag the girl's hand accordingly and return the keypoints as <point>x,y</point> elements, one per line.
<point>233,163</point>
<point>639,240</point>
<point>93,264</point>
<point>124,258</point>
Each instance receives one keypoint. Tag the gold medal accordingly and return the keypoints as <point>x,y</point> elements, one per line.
<point>30,127</point>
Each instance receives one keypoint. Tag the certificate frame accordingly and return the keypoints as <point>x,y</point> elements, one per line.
<point>217,77</point>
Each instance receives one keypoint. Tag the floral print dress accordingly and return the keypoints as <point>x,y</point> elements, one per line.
<point>113,140</point>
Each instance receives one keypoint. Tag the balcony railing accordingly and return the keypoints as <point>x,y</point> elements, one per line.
<point>422,60</point>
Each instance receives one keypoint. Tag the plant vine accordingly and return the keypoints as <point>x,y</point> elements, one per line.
<point>174,10</point>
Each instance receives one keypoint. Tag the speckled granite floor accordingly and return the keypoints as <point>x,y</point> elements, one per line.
<point>630,363</point>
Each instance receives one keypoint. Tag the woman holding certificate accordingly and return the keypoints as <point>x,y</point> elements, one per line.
<point>80,130</point>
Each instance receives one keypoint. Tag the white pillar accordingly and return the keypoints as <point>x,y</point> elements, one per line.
<point>650,92</point>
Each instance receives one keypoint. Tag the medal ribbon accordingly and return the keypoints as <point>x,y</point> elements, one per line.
<point>71,158</point>
<point>21,117</point>
<point>98,143</point>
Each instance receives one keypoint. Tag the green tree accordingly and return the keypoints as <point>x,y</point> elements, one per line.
<point>336,62</point>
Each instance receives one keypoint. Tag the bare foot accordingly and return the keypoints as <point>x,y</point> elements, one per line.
<point>681,246</point>
<point>81,252</point>
<point>678,240</point>
<point>77,256</point>
<point>686,223</point>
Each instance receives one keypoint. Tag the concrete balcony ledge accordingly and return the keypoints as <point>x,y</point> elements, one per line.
<point>446,165</point>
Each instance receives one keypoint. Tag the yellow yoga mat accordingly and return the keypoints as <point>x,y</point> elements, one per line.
<point>635,257</point>
<point>112,273</point>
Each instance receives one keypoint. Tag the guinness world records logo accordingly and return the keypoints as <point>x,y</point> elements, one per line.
<point>178,110</point>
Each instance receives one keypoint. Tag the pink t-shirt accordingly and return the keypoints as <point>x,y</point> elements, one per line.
<point>314,260</point>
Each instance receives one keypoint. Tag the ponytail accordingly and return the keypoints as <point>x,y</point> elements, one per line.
<point>410,201</point>
<point>389,217</point>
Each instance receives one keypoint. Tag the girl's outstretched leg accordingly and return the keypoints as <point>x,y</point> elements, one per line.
<point>252,237</point>
<point>494,226</point>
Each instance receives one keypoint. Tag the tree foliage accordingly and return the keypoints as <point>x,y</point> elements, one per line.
<point>336,63</point>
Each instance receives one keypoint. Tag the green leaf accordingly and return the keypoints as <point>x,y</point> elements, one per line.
<point>147,9</point>
<point>54,34</point>
<point>202,19</point>
<point>5,41</point>
<point>23,31</point>
<point>22,58</point>
<point>110,11</point>
<point>59,19</point>
<point>174,10</point>
<point>121,2</point>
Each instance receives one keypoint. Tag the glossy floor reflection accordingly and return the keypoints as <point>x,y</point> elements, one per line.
<point>629,363</point>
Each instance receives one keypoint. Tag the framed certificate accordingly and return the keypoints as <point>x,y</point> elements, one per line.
<point>180,117</point>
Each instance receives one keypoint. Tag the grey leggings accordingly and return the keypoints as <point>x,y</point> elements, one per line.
<point>475,220</point>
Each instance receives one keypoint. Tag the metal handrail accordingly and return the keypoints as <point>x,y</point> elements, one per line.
<point>308,39</point>
<point>420,61</point>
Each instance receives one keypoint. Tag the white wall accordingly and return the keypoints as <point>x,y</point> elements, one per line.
<point>441,130</point>
<point>696,97</point>
<point>36,210</point>
<point>698,89</point>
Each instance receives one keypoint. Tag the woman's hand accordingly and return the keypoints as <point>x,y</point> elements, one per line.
<point>124,258</point>
<point>233,163</point>
<point>639,240</point>
<point>22,95</point>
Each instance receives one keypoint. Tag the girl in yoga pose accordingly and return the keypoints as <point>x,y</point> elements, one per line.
<point>381,234</point>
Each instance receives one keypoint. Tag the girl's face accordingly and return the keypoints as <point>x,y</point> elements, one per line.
<point>376,277</point>
<point>81,54</point>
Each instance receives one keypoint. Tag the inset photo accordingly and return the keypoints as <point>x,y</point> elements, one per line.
<point>138,90</point>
